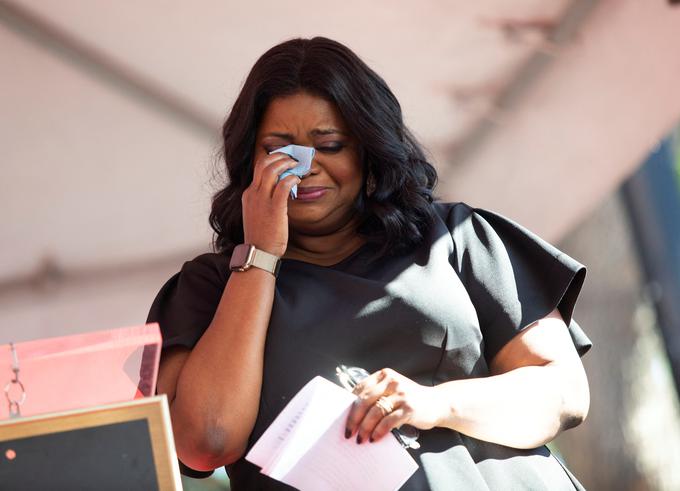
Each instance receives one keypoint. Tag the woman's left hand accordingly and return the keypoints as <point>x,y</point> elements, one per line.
<point>387,400</point>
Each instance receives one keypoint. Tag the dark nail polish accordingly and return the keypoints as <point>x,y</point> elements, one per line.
<point>359,439</point>
<point>348,433</point>
<point>370,439</point>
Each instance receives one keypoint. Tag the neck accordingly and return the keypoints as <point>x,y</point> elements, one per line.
<point>324,250</point>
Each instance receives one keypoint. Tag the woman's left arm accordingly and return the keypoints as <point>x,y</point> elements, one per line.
<point>536,389</point>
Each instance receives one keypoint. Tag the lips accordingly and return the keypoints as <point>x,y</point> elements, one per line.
<point>310,193</point>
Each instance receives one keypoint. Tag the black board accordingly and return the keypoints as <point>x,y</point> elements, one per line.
<point>116,456</point>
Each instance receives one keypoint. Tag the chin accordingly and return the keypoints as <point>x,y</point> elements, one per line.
<point>310,225</point>
<point>316,220</point>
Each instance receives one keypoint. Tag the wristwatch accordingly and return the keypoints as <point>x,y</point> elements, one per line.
<point>246,256</point>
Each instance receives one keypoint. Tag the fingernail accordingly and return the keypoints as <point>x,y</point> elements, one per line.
<point>370,439</point>
<point>359,439</point>
<point>348,433</point>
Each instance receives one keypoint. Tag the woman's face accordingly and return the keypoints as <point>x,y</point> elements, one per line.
<point>327,194</point>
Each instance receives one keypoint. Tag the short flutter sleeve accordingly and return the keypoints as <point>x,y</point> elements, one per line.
<point>513,277</point>
<point>186,304</point>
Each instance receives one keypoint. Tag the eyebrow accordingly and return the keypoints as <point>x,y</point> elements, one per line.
<point>314,132</point>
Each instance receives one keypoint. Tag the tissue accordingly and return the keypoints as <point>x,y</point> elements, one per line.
<point>303,155</point>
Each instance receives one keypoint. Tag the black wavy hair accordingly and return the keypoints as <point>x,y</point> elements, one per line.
<point>396,211</point>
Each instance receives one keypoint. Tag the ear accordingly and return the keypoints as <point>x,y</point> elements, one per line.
<point>370,184</point>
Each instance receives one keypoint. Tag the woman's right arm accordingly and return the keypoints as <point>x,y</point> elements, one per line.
<point>214,389</point>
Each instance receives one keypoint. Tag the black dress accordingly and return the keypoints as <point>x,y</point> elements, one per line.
<point>439,313</point>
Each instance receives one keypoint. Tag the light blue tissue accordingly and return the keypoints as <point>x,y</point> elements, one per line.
<point>303,155</point>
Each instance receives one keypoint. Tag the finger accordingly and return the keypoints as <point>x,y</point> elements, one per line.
<point>395,419</point>
<point>263,163</point>
<point>371,380</point>
<point>376,413</point>
<point>282,190</point>
<point>368,391</point>
<point>366,401</point>
<point>271,174</point>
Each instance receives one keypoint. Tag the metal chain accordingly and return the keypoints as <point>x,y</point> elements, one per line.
<point>14,404</point>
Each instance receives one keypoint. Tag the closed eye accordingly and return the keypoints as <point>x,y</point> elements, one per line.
<point>271,149</point>
<point>330,149</point>
<point>325,149</point>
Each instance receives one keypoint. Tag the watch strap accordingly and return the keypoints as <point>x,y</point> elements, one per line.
<point>268,262</point>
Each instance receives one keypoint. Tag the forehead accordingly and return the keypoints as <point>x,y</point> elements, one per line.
<point>301,112</point>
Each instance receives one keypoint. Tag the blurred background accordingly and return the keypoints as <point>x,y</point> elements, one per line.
<point>561,114</point>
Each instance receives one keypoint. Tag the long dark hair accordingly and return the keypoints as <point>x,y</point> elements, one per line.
<point>395,204</point>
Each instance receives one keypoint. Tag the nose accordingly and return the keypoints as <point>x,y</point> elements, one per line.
<point>314,168</point>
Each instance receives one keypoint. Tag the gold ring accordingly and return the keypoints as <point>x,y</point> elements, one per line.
<point>385,405</point>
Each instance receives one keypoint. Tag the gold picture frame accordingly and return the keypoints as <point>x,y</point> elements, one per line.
<point>90,441</point>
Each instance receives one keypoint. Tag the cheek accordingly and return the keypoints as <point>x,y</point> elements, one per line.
<point>350,177</point>
<point>350,173</point>
<point>258,154</point>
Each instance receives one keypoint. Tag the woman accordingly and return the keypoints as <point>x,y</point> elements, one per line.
<point>462,316</point>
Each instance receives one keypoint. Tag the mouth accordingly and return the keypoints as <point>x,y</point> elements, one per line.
<point>310,193</point>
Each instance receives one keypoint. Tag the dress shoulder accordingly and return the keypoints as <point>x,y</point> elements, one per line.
<point>513,276</point>
<point>186,303</point>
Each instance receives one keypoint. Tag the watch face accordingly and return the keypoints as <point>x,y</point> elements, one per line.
<point>241,257</point>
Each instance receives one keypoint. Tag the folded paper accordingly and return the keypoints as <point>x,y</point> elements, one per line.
<point>305,446</point>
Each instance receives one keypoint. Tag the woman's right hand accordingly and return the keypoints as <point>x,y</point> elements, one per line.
<point>265,204</point>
